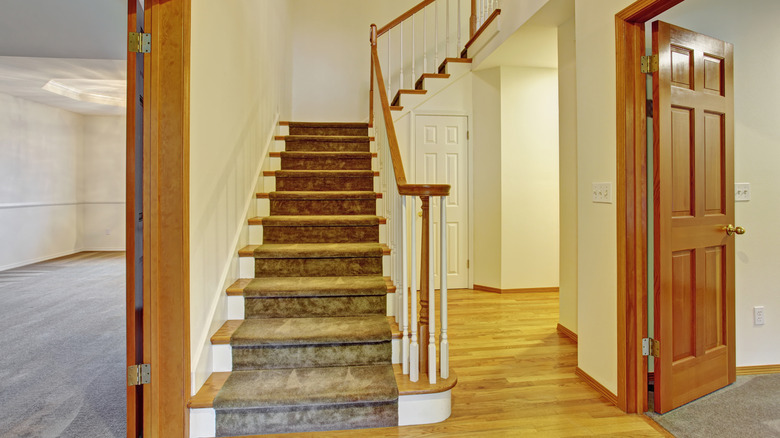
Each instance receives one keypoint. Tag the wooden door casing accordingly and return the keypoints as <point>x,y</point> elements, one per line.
<point>694,200</point>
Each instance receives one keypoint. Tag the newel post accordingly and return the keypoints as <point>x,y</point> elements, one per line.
<point>372,39</point>
<point>473,19</point>
<point>424,289</point>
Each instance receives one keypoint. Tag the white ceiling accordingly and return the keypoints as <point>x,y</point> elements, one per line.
<point>80,41</point>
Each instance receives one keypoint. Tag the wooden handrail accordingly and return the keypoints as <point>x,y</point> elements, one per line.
<point>404,188</point>
<point>386,28</point>
<point>482,28</point>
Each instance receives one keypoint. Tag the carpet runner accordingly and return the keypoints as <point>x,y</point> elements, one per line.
<point>314,352</point>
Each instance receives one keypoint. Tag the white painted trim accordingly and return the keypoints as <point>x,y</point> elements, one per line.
<point>223,357</point>
<point>39,259</point>
<point>424,408</point>
<point>204,334</point>
<point>203,422</point>
<point>395,345</point>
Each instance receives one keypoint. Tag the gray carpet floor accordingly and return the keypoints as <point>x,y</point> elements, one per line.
<point>748,408</point>
<point>62,347</point>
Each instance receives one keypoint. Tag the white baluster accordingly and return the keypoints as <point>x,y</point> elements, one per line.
<point>401,74</point>
<point>404,284</point>
<point>431,306</point>
<point>389,69</point>
<point>445,345</point>
<point>459,23</point>
<point>414,348</point>
<point>413,31</point>
<point>447,30</point>
<point>436,38</point>
<point>425,40</point>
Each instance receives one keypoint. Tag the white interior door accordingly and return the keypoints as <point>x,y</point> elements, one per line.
<point>441,151</point>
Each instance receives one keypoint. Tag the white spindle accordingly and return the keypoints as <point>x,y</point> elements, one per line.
<point>436,33</point>
<point>401,72</point>
<point>414,348</point>
<point>413,48</point>
<point>431,305</point>
<point>447,30</point>
<point>445,346</point>
<point>389,69</point>
<point>459,23</point>
<point>425,40</point>
<point>404,283</point>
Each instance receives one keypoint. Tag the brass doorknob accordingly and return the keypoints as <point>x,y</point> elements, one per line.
<point>419,214</point>
<point>731,229</point>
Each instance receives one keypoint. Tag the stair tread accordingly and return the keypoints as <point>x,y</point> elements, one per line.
<point>329,138</point>
<point>308,173</point>
<point>307,386</point>
<point>334,154</point>
<point>318,250</point>
<point>315,286</point>
<point>323,195</point>
<point>328,124</point>
<point>310,331</point>
<point>321,221</point>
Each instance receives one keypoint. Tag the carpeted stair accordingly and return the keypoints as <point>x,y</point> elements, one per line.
<point>314,352</point>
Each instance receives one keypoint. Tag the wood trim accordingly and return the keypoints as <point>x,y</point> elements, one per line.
<point>166,219</point>
<point>386,28</point>
<point>632,200</point>
<point>284,123</point>
<point>237,288</point>
<point>601,389</point>
<point>521,290</point>
<point>407,387</point>
<point>753,370</point>
<point>656,426</point>
<point>134,318</point>
<point>205,397</point>
<point>481,29</point>
<point>568,333</point>
<point>223,334</point>
<point>392,143</point>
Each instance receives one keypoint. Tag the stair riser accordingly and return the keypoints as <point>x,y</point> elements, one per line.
<point>300,130</point>
<point>322,206</point>
<point>308,234</point>
<point>324,267</point>
<point>326,163</point>
<point>327,146</point>
<point>335,183</point>
<point>308,307</point>
<point>309,356</point>
<point>285,419</point>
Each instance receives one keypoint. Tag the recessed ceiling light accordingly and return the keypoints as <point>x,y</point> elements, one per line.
<point>99,91</point>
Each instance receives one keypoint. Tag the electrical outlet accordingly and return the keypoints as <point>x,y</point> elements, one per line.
<point>742,192</point>
<point>758,315</point>
<point>602,193</point>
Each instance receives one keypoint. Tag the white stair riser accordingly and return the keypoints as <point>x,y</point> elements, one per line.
<point>235,304</point>
<point>223,358</point>
<point>263,206</point>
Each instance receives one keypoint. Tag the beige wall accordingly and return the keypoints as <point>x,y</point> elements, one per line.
<point>240,86</point>
<point>331,56</point>
<point>529,177</point>
<point>567,110</point>
<point>596,228</point>
<point>752,27</point>
<point>486,88</point>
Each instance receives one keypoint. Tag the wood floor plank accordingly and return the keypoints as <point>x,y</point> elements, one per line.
<point>515,376</point>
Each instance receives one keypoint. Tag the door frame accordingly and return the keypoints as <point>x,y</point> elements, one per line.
<point>166,312</point>
<point>469,156</point>
<point>632,200</point>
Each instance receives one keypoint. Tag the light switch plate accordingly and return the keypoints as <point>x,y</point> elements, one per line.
<point>602,193</point>
<point>742,192</point>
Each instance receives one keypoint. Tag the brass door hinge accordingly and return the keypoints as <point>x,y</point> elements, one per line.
<point>139,374</point>
<point>651,347</point>
<point>139,42</point>
<point>649,64</point>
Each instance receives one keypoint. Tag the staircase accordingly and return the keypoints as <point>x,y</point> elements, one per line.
<point>314,350</point>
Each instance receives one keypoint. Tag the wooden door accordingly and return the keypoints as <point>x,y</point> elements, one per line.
<point>693,109</point>
<point>134,219</point>
<point>441,158</point>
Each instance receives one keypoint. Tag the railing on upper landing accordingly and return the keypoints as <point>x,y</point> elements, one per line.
<point>417,42</point>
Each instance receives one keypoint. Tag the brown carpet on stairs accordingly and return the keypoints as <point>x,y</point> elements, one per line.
<point>314,352</point>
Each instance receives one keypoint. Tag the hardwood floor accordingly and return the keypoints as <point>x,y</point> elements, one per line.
<point>516,376</point>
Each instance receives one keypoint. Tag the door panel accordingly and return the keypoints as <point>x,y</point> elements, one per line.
<point>694,201</point>
<point>441,150</point>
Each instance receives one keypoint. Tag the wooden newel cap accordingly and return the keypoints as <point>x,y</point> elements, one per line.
<point>372,36</point>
